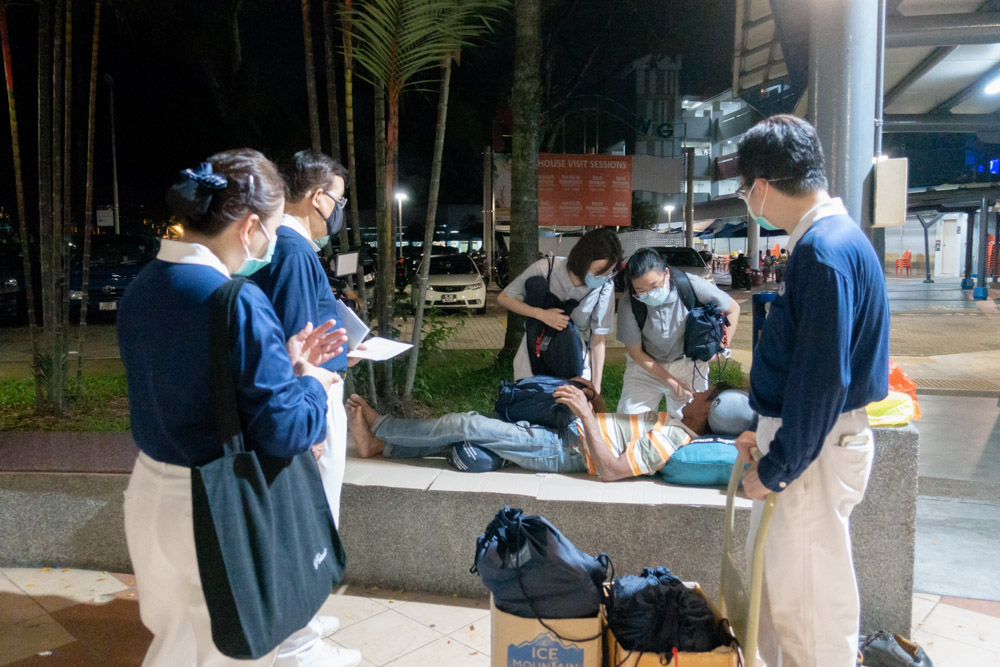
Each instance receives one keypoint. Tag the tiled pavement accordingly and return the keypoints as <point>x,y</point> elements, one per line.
<point>83,618</point>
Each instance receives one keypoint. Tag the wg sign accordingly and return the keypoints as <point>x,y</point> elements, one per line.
<point>578,190</point>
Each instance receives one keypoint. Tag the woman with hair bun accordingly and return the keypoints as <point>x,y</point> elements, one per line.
<point>229,207</point>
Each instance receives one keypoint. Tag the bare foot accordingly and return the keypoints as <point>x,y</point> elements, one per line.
<point>368,445</point>
<point>366,410</point>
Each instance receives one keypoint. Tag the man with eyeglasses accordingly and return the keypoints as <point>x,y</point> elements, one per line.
<point>822,357</point>
<point>298,287</point>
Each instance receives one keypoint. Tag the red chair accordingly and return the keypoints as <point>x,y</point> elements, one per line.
<point>904,263</point>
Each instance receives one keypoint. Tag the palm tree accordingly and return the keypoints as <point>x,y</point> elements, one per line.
<point>311,78</point>
<point>471,18</point>
<point>398,41</point>
<point>21,210</point>
<point>333,114</point>
<point>524,158</point>
<point>67,200</point>
<point>45,207</point>
<point>88,207</point>
<point>346,32</point>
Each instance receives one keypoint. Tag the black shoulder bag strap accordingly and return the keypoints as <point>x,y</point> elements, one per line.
<point>639,311</point>
<point>227,415</point>
<point>684,289</point>
<point>548,278</point>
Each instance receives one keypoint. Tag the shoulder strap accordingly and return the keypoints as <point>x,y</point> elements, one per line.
<point>639,310</point>
<point>221,334</point>
<point>684,289</point>
<point>552,263</point>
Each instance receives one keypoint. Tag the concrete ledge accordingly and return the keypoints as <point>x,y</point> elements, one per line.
<point>413,525</point>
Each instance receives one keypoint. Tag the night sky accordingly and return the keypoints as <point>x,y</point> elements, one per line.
<point>180,95</point>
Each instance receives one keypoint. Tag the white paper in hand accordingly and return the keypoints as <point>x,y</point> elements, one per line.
<point>356,328</point>
<point>379,349</point>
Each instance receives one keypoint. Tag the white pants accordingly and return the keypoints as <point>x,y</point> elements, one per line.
<point>641,392</point>
<point>810,610</point>
<point>159,530</point>
<point>334,459</point>
<point>522,362</point>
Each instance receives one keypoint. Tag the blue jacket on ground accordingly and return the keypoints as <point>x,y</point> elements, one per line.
<point>163,334</point>
<point>298,288</point>
<point>824,349</point>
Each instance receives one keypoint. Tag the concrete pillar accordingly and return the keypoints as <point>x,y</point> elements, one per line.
<point>753,242</point>
<point>981,293</point>
<point>970,239</point>
<point>843,50</point>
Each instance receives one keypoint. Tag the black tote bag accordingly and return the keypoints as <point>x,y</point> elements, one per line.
<point>268,550</point>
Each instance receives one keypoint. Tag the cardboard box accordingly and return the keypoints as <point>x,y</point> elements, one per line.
<point>524,642</point>
<point>721,657</point>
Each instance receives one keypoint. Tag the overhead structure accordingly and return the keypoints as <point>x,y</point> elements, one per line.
<point>940,57</point>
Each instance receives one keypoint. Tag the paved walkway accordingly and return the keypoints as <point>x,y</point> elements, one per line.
<point>85,618</point>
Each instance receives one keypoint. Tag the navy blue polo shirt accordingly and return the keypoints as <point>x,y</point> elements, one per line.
<point>824,349</point>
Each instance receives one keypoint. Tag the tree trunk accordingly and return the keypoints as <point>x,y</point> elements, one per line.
<point>67,222</point>
<point>346,30</point>
<point>331,98</point>
<point>524,163</point>
<point>88,206</point>
<point>22,218</point>
<point>45,212</point>
<point>311,78</point>
<point>55,391</point>
<point>432,200</point>
<point>386,273</point>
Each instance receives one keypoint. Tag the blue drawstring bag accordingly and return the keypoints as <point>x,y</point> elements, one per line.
<point>533,571</point>
<point>530,400</point>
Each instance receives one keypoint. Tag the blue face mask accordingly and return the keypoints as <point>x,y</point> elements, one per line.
<point>254,264</point>
<point>655,296</point>
<point>759,219</point>
<point>595,282</point>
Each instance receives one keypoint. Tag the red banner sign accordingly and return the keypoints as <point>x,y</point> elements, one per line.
<point>578,190</point>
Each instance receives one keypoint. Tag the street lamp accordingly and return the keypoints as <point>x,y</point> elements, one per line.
<point>669,208</point>
<point>400,198</point>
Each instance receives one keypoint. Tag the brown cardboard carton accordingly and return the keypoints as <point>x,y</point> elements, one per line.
<point>620,657</point>
<point>524,642</point>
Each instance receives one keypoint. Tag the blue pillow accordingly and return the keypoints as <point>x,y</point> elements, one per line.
<point>707,461</point>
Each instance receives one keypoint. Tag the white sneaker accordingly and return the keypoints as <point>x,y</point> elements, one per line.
<point>326,625</point>
<point>334,656</point>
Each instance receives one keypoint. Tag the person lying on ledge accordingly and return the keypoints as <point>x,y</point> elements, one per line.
<point>614,446</point>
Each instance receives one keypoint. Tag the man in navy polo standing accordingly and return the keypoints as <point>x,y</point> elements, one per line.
<point>822,357</point>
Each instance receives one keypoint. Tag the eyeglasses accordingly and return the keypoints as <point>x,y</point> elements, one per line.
<point>339,201</point>
<point>741,191</point>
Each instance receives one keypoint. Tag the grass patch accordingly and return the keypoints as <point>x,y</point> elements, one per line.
<point>101,405</point>
<point>464,380</point>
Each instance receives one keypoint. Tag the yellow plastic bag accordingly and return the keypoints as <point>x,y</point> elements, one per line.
<point>896,409</point>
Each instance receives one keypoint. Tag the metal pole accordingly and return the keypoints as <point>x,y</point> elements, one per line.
<point>114,151</point>
<point>980,292</point>
<point>970,222</point>
<point>878,233</point>
<point>689,203</point>
<point>488,213</point>
<point>927,244</point>
<point>842,48</point>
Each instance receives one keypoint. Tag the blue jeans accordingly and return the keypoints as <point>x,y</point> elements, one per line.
<point>530,447</point>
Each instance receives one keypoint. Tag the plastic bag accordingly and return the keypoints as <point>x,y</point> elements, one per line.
<point>900,381</point>
<point>896,409</point>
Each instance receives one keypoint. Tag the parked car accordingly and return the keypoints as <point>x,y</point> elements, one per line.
<point>687,260</point>
<point>12,288</point>
<point>115,261</point>
<point>454,282</point>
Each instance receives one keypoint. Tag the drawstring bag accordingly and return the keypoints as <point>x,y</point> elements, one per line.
<point>531,400</point>
<point>533,571</point>
<point>656,613</point>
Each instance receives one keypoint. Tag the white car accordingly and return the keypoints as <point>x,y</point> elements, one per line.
<point>454,282</point>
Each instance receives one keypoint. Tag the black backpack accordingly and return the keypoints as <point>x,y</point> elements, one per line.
<point>553,353</point>
<point>705,326</point>
<point>531,400</point>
